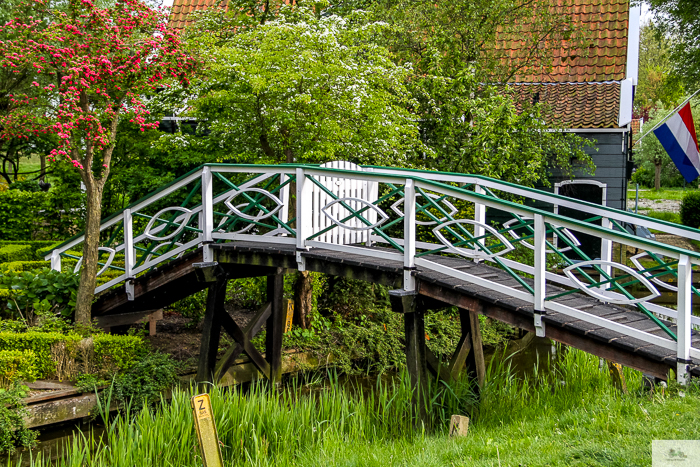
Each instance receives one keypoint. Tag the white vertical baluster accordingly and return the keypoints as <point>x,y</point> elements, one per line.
<point>55,260</point>
<point>304,214</point>
<point>206,220</point>
<point>129,253</point>
<point>683,332</point>
<point>479,216</point>
<point>284,197</point>
<point>540,269</point>
<point>372,194</point>
<point>606,253</point>
<point>409,236</point>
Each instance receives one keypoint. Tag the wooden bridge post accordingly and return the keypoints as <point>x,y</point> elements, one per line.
<point>471,329</point>
<point>403,301</point>
<point>211,330</point>
<point>275,325</point>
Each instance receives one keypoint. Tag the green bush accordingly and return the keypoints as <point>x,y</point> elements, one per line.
<point>145,381</point>
<point>117,353</point>
<point>21,266</point>
<point>45,250</point>
<point>10,253</point>
<point>690,209</point>
<point>36,216</point>
<point>13,429</point>
<point>35,244</point>
<point>42,345</point>
<point>17,365</point>
<point>44,289</point>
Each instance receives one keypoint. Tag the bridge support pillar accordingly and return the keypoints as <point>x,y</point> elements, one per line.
<point>471,330</point>
<point>405,302</point>
<point>275,325</point>
<point>211,330</point>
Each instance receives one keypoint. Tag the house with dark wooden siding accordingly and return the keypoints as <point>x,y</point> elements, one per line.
<point>591,92</point>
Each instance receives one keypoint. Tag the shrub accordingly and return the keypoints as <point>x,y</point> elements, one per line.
<point>60,214</point>
<point>145,381</point>
<point>44,289</point>
<point>16,365</point>
<point>43,345</point>
<point>16,253</point>
<point>690,209</point>
<point>26,185</point>
<point>21,266</point>
<point>35,244</point>
<point>117,353</point>
<point>13,429</point>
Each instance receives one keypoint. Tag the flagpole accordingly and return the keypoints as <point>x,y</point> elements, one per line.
<point>664,119</point>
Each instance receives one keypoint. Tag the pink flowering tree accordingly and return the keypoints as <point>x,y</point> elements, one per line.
<point>94,66</point>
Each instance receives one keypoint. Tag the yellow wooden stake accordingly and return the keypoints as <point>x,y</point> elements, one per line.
<point>206,431</point>
<point>290,315</point>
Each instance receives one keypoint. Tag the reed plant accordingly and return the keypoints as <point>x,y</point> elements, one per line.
<point>560,410</point>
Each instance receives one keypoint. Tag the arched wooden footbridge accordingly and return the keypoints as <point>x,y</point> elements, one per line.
<point>423,234</point>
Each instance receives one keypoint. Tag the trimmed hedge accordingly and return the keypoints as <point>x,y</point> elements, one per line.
<point>109,354</point>
<point>35,244</point>
<point>10,253</point>
<point>40,343</point>
<point>16,365</point>
<point>20,266</point>
<point>117,353</point>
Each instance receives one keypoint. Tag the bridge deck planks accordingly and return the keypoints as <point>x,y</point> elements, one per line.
<point>240,255</point>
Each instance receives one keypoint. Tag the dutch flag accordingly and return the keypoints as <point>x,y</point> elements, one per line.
<point>678,138</point>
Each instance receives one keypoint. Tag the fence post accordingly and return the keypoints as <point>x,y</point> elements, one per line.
<point>206,219</point>
<point>129,256</point>
<point>284,197</point>
<point>304,208</point>
<point>540,270</point>
<point>409,235</point>
<point>683,332</point>
<point>56,260</point>
<point>480,218</point>
<point>606,253</point>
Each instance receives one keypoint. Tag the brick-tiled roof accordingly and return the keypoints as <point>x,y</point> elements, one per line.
<point>576,106</point>
<point>595,101</point>
<point>604,25</point>
<point>182,8</point>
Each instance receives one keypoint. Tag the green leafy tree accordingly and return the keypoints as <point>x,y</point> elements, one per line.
<point>300,88</point>
<point>657,87</point>
<point>680,20</point>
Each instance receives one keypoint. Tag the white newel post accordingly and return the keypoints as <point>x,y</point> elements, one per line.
<point>304,214</point>
<point>685,277</point>
<point>540,269</point>
<point>606,253</point>
<point>56,260</point>
<point>409,236</point>
<point>129,253</point>
<point>284,197</point>
<point>479,218</point>
<point>206,219</point>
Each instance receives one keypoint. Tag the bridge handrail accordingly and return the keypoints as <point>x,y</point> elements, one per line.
<point>426,176</point>
<point>409,185</point>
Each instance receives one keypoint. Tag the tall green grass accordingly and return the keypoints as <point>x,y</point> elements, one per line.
<point>560,410</point>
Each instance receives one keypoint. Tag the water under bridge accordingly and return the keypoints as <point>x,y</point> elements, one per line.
<point>438,240</point>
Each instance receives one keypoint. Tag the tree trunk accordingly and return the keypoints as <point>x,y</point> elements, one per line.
<point>89,266</point>
<point>657,176</point>
<point>303,300</point>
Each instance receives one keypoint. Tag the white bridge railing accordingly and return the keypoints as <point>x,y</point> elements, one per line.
<point>417,215</point>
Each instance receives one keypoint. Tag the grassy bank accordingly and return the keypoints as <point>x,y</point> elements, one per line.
<point>570,415</point>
